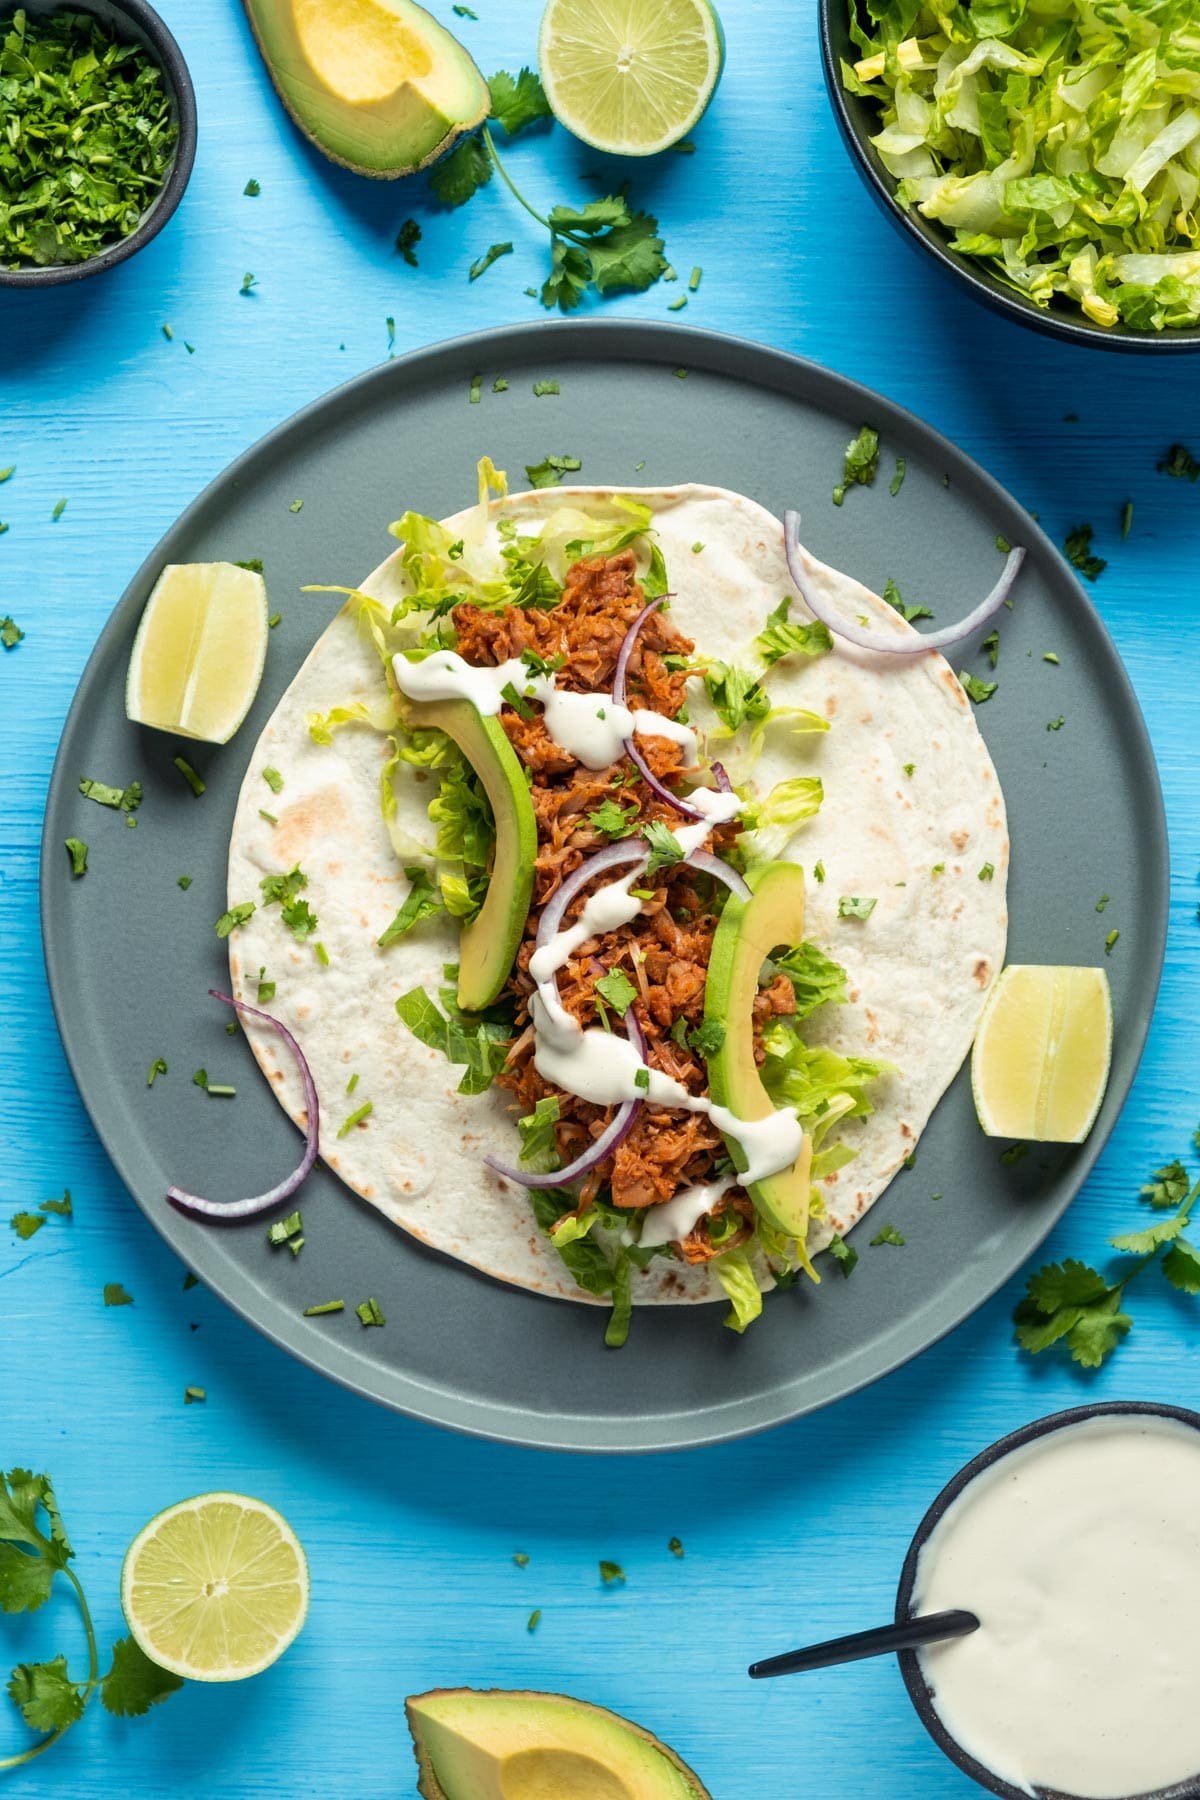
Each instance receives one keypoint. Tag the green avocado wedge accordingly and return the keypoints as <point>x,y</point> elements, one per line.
<point>378,85</point>
<point>490,942</point>
<point>473,1745</point>
<point>746,934</point>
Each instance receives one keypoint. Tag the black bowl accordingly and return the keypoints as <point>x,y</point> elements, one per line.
<point>134,22</point>
<point>858,120</point>
<point>910,1667</point>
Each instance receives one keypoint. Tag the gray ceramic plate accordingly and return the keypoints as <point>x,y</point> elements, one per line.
<point>130,955</point>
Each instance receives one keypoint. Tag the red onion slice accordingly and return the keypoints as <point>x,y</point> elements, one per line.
<point>651,779</point>
<point>907,645</point>
<point>627,850</point>
<point>627,643</point>
<point>610,1139</point>
<point>721,777</point>
<point>720,870</point>
<point>234,1210</point>
<point>630,748</point>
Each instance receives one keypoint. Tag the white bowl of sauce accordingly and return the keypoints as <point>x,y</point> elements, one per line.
<point>1076,1542</point>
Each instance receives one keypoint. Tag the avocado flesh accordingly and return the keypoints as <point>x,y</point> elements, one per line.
<point>489,944</point>
<point>524,1746</point>
<point>377,85</point>
<point>746,934</point>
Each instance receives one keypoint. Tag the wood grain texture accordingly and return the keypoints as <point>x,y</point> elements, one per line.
<point>794,1536</point>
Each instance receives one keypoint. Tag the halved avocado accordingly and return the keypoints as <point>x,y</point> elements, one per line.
<point>747,933</point>
<point>378,85</point>
<point>523,1746</point>
<point>490,942</point>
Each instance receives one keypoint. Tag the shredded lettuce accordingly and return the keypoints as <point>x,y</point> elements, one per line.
<point>539,1147</point>
<point>1058,142</point>
<point>478,1041</point>
<point>821,1084</point>
<point>780,637</point>
<point>815,977</point>
<point>736,1276</point>
<point>772,823</point>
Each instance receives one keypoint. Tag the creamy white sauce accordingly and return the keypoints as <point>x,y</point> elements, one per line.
<point>1080,1554</point>
<point>608,908</point>
<point>678,1217</point>
<point>590,727</point>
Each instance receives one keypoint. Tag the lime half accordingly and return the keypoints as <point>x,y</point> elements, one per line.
<point>199,652</point>
<point>215,1588</point>
<point>1042,1052</point>
<point>630,76</point>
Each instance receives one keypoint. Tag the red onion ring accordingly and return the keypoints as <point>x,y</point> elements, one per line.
<point>627,643</point>
<point>906,645</point>
<point>610,1139</point>
<point>627,850</point>
<point>249,1208</point>
<point>720,870</point>
<point>630,748</point>
<point>651,779</point>
<point>721,777</point>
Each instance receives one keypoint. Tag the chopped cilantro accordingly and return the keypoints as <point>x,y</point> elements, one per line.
<point>641,1080</point>
<point>908,768</point>
<point>500,385</point>
<point>237,915</point>
<point>1056,724</point>
<point>697,548</point>
<point>987,872</point>
<point>977,689</point>
<point>542,389</point>
<point>541,665</point>
<point>549,472</point>
<point>77,850</point>
<point>1077,547</point>
<point>115,1295</point>
<point>125,800</point>
<point>1049,657</point>
<point>273,779</point>
<point>888,1234</point>
<point>897,481</point>
<point>819,870</point>
<point>273,621</point>
<point>194,781</point>
<point>861,462</point>
<point>665,847</point>
<point>252,189</point>
<point>407,239</point>
<point>184,882</point>
<point>938,869</point>
<point>991,644</point>
<point>7,474</point>
<point>534,1619</point>
<point>10,632</point>
<point>893,596</point>
<point>1102,902</point>
<point>844,1254</point>
<point>851,906</point>
<point>1180,463</point>
<point>1109,941</point>
<point>518,702</point>
<point>249,283</point>
<point>326,1306</point>
<point>464,12</point>
<point>678,304</point>
<point>681,374</point>
<point>1126,520</point>
<point>610,1572</point>
<point>475,391</point>
<point>1002,544</point>
<point>370,1313</point>
<point>492,254</point>
<point>25,1224</point>
<point>283,1230</point>
<point>694,280</point>
<point>194,1396</point>
<point>356,1118</point>
<point>268,816</point>
<point>617,989</point>
<point>283,889</point>
<point>296,506</point>
<point>707,1038</point>
<point>613,820</point>
<point>157,1067</point>
<point>253,563</point>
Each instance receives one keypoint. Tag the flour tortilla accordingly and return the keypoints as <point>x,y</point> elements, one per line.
<point>919,967</point>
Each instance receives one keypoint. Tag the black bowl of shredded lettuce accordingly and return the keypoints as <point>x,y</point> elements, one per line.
<point>1049,158</point>
<point>105,136</point>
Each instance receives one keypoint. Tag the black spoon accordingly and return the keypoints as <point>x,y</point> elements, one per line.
<point>884,1638</point>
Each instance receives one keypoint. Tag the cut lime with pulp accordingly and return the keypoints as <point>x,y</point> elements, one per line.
<point>199,652</point>
<point>1042,1052</point>
<point>215,1588</point>
<point>630,76</point>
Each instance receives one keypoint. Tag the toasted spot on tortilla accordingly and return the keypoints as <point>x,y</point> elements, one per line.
<point>982,971</point>
<point>960,840</point>
<point>906,1131</point>
<point>831,705</point>
<point>872,1025</point>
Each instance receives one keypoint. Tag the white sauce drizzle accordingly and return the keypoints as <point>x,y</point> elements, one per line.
<point>597,1065</point>
<point>678,1218</point>
<point>1080,1555</point>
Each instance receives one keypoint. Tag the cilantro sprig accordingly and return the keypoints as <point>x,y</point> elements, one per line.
<point>1073,1304</point>
<point>34,1548</point>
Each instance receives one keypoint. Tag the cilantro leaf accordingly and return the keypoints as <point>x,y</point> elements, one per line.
<point>21,1495</point>
<point>630,256</point>
<point>844,1254</point>
<point>516,104</point>
<point>1181,1266</point>
<point>134,1684</point>
<point>1070,1283</point>
<point>47,1697</point>
<point>422,902</point>
<point>976,688</point>
<point>613,820</point>
<point>1180,463</point>
<point>610,1572</point>
<point>888,1234</point>
<point>1098,1330</point>
<point>549,472</point>
<point>25,1581</point>
<point>25,1224</point>
<point>126,799</point>
<point>570,273</point>
<point>893,596</point>
<point>1077,547</point>
<point>115,1295</point>
<point>482,263</point>
<point>596,216</point>
<point>665,847</point>
<point>617,989</point>
<point>860,464</point>
<point>1145,1243</point>
<point>407,239</point>
<point>462,173</point>
<point>854,906</point>
<point>708,1038</point>
<point>10,632</point>
<point>1167,1186</point>
<point>237,915</point>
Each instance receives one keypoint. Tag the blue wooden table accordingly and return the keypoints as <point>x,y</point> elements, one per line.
<point>411,1532</point>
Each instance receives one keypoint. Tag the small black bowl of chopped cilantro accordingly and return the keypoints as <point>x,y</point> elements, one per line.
<point>1017,153</point>
<point>104,140</point>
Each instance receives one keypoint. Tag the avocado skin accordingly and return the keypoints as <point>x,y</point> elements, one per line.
<point>676,1782</point>
<point>307,119</point>
<point>489,944</point>
<point>747,932</point>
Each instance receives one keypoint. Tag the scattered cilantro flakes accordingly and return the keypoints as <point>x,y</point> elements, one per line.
<point>549,472</point>
<point>819,871</point>
<point>296,506</point>
<point>617,989</point>
<point>194,1396</point>
<point>534,1619</point>
<point>500,385</point>
<point>665,847</point>
<point>1180,463</point>
<point>1110,942</point>
<point>125,800</point>
<point>888,1234</point>
<point>115,1295</point>
<point>680,374</point>
<point>678,304</point>
<point>10,632</point>
<point>1126,520</point>
<point>274,619</point>
<point>1056,724</point>
<point>613,820</point>
<point>249,283</point>
<point>356,1118</point>
<point>641,1080</point>
<point>1077,547</point>
<point>7,474</point>
<point>521,1559</point>
<point>897,481</point>
<point>1002,544</point>
<point>184,882</point>
<point>482,263</point>
<point>252,189</point>
<point>975,688</point>
<point>694,280</point>
<point>991,644</point>
<point>1102,902</point>
<point>852,906</point>
<point>909,768</point>
<point>77,850</point>
<point>168,333</point>
<point>542,388</point>
<point>194,780</point>
<point>273,779</point>
<point>407,239</point>
<point>237,915</point>
<point>475,393</point>
<point>843,1254</point>
<point>325,1306</point>
<point>370,1313</point>
<point>25,1224</point>
<point>860,464</point>
<point>1049,656</point>
<point>611,1572</point>
<point>253,563</point>
<point>157,1067</point>
<point>893,596</point>
<point>464,12</point>
<point>987,872</point>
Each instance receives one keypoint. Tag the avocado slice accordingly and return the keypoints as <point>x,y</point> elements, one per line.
<point>377,85</point>
<point>473,1745</point>
<point>746,934</point>
<point>490,942</point>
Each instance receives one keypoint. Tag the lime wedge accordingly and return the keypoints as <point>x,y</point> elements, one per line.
<point>1042,1052</point>
<point>215,1588</point>
<point>630,76</point>
<point>199,651</point>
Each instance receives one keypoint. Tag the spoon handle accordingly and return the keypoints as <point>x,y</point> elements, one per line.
<point>909,1635</point>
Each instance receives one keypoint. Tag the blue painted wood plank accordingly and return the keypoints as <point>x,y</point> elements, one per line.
<point>411,1532</point>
